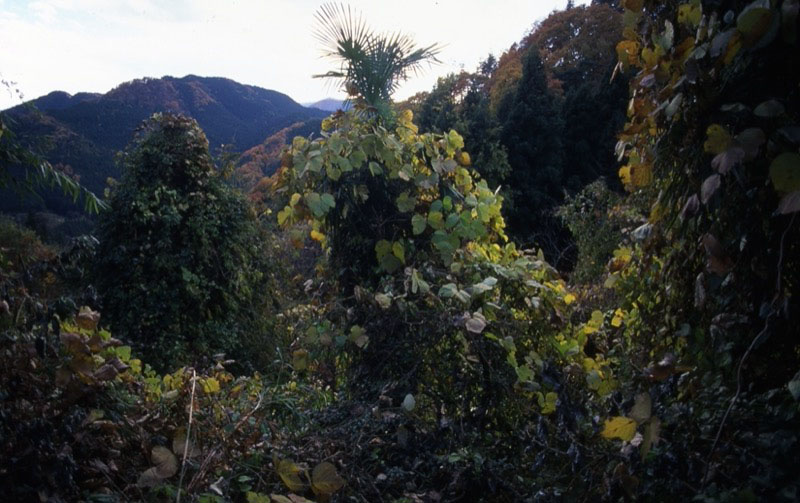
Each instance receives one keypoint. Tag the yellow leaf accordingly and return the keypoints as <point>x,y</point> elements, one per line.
<point>619,316</point>
<point>628,52</point>
<point>625,175</point>
<point>210,385</point>
<point>325,480</point>
<point>718,139</point>
<point>619,427</point>
<point>689,14</point>
<point>569,299</point>
<point>650,57</point>
<point>300,360</point>
<point>641,175</point>
<point>87,319</point>
<point>180,444</point>
<point>734,46</point>
<point>632,5</point>
<point>317,236</point>
<point>289,472</point>
<point>166,465</point>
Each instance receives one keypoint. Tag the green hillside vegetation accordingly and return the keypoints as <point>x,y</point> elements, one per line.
<point>81,134</point>
<point>363,325</point>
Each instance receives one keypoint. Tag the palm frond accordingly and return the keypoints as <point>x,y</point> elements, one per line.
<point>371,65</point>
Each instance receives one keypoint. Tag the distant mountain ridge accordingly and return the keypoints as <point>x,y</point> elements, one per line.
<point>328,104</point>
<point>82,132</point>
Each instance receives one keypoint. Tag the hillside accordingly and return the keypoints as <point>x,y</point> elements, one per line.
<point>82,133</point>
<point>328,104</point>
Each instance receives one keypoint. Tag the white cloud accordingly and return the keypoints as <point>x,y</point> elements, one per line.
<point>93,45</point>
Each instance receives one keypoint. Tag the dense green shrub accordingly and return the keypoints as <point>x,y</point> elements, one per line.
<point>595,219</point>
<point>181,262</point>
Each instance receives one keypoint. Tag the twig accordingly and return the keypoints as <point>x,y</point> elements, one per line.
<point>188,433</point>
<point>747,353</point>
<point>207,461</point>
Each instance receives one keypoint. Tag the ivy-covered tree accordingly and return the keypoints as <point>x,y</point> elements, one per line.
<point>426,295</point>
<point>180,264</point>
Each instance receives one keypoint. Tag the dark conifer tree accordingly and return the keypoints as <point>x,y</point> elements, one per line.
<point>532,132</point>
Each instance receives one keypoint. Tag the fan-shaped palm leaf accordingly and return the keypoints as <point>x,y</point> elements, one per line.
<point>371,65</point>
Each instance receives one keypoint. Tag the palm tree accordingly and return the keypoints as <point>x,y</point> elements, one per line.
<point>371,65</point>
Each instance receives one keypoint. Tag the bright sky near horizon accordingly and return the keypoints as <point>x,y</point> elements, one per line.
<point>94,45</point>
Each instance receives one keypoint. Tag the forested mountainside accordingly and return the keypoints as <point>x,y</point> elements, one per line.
<point>541,119</point>
<point>81,134</point>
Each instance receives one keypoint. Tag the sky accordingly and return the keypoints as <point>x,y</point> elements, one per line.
<point>94,45</point>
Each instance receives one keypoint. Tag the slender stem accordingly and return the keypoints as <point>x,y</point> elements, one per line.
<point>188,435</point>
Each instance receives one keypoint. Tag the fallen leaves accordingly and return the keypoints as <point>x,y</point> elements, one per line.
<point>165,466</point>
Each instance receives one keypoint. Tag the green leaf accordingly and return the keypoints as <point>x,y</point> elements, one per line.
<point>455,140</point>
<point>405,203</point>
<point>769,109</point>
<point>418,224</point>
<point>452,220</point>
<point>358,336</point>
<point>253,497</point>
<point>484,286</point>
<point>399,251</point>
<point>785,172</point>
<point>642,408</point>
<point>665,38</point>
<point>436,220</point>
<point>524,373</point>
<point>319,204</point>
<point>651,435</point>
<point>382,248</point>
<point>448,290</point>
<point>375,168</point>
<point>548,402</point>
<point>451,290</point>
<point>357,158</point>
<point>123,353</point>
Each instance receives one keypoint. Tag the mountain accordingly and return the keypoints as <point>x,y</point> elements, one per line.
<point>82,133</point>
<point>328,104</point>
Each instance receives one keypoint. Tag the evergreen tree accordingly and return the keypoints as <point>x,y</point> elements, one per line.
<point>532,132</point>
